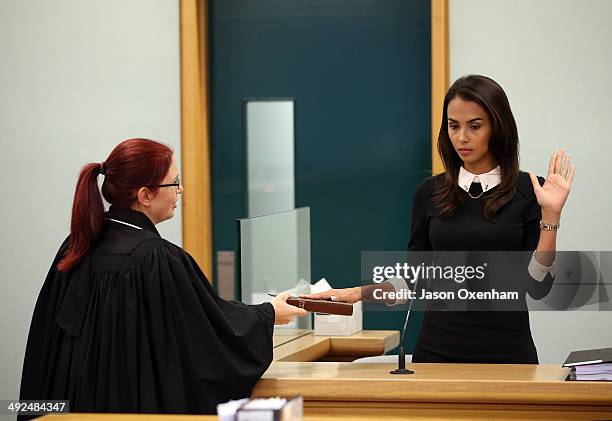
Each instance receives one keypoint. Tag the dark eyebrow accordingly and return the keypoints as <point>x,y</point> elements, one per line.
<point>469,121</point>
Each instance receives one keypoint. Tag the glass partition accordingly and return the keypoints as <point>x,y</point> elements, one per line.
<point>274,257</point>
<point>270,156</point>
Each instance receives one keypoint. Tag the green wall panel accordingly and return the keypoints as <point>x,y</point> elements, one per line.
<point>359,72</point>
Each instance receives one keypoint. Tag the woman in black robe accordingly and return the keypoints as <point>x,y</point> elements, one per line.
<point>126,321</point>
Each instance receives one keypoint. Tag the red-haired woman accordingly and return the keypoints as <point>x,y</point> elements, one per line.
<point>126,321</point>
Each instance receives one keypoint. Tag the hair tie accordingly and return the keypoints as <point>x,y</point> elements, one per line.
<point>102,168</point>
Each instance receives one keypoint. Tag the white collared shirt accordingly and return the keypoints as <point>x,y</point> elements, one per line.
<point>487,180</point>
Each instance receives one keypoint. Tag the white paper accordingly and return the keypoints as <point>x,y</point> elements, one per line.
<point>321,286</point>
<point>227,411</point>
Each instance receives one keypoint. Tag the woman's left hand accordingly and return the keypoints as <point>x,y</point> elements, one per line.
<point>553,194</point>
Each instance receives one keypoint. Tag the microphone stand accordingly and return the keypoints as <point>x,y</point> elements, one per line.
<point>401,364</point>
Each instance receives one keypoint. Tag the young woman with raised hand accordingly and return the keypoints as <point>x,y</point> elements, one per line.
<point>483,202</point>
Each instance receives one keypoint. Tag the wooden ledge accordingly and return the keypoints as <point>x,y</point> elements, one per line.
<point>313,348</point>
<point>450,383</point>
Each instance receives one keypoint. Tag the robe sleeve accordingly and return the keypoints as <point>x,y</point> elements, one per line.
<point>203,349</point>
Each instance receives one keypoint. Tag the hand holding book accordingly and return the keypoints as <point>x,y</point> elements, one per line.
<point>321,305</point>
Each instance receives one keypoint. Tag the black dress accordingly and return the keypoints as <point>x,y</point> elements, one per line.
<point>479,336</point>
<point>136,327</point>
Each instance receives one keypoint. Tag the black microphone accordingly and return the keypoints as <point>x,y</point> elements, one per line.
<point>401,364</point>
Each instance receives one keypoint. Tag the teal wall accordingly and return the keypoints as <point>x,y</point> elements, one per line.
<point>359,72</point>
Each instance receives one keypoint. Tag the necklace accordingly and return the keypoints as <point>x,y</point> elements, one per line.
<point>481,193</point>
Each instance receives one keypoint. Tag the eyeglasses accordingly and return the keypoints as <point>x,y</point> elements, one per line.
<point>177,183</point>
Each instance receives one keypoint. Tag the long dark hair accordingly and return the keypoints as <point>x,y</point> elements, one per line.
<point>504,145</point>
<point>133,164</point>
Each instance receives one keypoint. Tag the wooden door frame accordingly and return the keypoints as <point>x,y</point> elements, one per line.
<point>195,133</point>
<point>439,75</point>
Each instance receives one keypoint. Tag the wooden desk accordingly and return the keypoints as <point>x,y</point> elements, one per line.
<point>289,345</point>
<point>437,391</point>
<point>350,391</point>
<point>337,348</point>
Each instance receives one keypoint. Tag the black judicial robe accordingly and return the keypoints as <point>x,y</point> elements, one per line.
<point>136,327</point>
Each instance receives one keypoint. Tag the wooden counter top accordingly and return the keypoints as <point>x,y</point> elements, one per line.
<point>542,384</point>
<point>357,392</point>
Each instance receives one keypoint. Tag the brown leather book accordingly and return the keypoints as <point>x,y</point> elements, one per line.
<point>322,306</point>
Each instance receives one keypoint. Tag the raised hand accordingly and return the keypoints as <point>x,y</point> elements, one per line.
<point>553,194</point>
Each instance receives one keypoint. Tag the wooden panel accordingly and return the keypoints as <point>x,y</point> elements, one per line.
<point>347,391</point>
<point>324,411</point>
<point>320,411</point>
<point>364,344</point>
<point>307,348</point>
<point>315,348</point>
<point>197,214</point>
<point>465,383</point>
<point>126,417</point>
<point>439,75</point>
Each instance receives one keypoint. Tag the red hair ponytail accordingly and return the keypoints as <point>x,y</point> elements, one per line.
<point>133,164</point>
<point>87,217</point>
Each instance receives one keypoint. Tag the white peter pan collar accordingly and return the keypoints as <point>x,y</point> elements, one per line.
<point>487,180</point>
